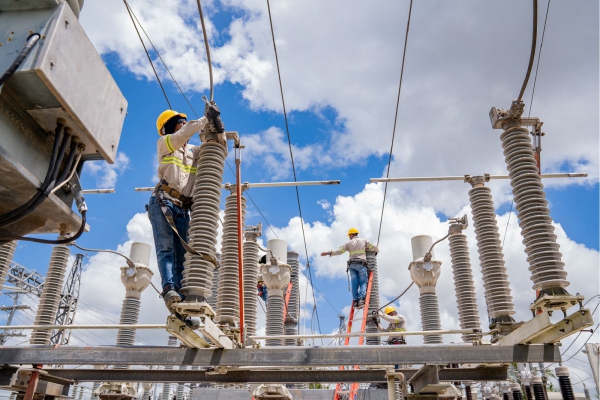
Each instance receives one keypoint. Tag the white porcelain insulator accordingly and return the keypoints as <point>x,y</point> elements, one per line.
<point>420,246</point>
<point>279,249</point>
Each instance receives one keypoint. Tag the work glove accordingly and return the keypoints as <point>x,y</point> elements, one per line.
<point>212,112</point>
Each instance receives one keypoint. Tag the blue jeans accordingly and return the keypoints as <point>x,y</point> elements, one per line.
<point>265,294</point>
<point>170,254</point>
<point>359,277</point>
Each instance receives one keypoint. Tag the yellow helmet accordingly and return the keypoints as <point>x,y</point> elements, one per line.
<point>389,309</point>
<point>164,117</point>
<point>352,231</point>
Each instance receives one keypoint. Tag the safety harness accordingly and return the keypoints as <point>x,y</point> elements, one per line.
<point>159,192</point>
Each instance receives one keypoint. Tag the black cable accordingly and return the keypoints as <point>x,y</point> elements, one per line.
<point>45,241</point>
<point>207,48</point>
<point>148,55</point>
<point>395,118</point>
<point>401,294</point>
<point>31,41</point>
<point>532,53</point>
<point>68,163</point>
<point>287,129</point>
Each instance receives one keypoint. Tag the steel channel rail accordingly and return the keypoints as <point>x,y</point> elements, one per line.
<point>265,185</point>
<point>462,178</point>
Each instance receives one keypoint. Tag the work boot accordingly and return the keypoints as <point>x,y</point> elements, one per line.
<point>171,297</point>
<point>355,303</point>
<point>361,303</point>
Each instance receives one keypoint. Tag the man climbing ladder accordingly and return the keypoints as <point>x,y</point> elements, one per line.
<point>357,264</point>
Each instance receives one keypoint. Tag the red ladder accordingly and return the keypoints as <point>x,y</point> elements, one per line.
<point>287,300</point>
<point>361,340</point>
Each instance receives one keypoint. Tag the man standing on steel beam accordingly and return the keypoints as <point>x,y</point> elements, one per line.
<point>171,200</point>
<point>357,264</point>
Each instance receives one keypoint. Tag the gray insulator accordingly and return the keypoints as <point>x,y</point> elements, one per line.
<point>373,300</point>
<point>468,314</point>
<point>181,386</point>
<point>204,221</point>
<point>430,317</point>
<point>13,396</point>
<point>166,392</point>
<point>495,279</point>
<point>293,308</point>
<point>130,312</point>
<point>80,395</point>
<point>250,278</point>
<point>6,255</point>
<point>543,255</point>
<point>228,296</point>
<point>275,320</point>
<point>212,300</point>
<point>50,298</point>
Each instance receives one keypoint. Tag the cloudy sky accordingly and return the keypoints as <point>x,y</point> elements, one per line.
<point>340,67</point>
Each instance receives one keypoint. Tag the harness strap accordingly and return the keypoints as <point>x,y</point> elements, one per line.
<point>169,217</point>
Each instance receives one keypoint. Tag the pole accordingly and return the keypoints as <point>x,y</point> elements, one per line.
<point>238,190</point>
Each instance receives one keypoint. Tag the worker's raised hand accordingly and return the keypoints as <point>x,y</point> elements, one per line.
<point>325,253</point>
<point>212,112</point>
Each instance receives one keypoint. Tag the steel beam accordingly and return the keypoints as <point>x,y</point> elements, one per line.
<point>490,373</point>
<point>282,356</point>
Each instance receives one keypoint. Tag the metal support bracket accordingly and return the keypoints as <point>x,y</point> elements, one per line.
<point>555,302</point>
<point>180,330</point>
<point>215,335</point>
<point>427,380</point>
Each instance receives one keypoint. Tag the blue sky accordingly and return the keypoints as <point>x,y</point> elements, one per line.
<point>340,76</point>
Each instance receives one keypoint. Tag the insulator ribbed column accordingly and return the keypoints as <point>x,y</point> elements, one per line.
<point>468,393</point>
<point>166,392</point>
<point>528,393</point>
<point>538,389</point>
<point>212,300</point>
<point>80,395</point>
<point>204,221</point>
<point>430,317</point>
<point>181,386</point>
<point>291,319</point>
<point>250,278</point>
<point>50,298</point>
<point>516,391</point>
<point>564,381</point>
<point>274,320</point>
<point>130,312</point>
<point>228,296</point>
<point>373,300</point>
<point>466,299</point>
<point>543,255</point>
<point>495,279</point>
<point>6,255</point>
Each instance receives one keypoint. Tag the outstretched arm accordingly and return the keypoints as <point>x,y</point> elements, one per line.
<point>169,143</point>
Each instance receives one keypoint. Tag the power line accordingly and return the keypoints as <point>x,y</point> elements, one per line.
<point>532,53</point>
<point>395,119</point>
<point>287,129</point>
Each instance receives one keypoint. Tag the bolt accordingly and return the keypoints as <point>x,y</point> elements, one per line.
<point>51,63</point>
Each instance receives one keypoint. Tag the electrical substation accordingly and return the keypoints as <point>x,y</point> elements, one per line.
<point>50,128</point>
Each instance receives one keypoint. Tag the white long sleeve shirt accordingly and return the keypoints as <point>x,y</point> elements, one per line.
<point>397,323</point>
<point>177,159</point>
<point>356,248</point>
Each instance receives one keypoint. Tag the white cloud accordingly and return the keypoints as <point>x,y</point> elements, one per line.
<point>107,174</point>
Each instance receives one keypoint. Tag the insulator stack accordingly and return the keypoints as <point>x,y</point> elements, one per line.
<point>528,393</point>
<point>505,396</point>
<point>468,393</point>
<point>50,298</point>
<point>130,312</point>
<point>373,299</point>
<point>6,255</point>
<point>80,395</point>
<point>516,391</point>
<point>204,221</point>
<point>466,298</point>
<point>274,319</point>
<point>228,296</point>
<point>166,392</point>
<point>564,381</point>
<point>212,300</point>
<point>181,386</point>
<point>293,308</point>
<point>543,255</point>
<point>250,279</point>
<point>538,389</point>
<point>276,277</point>
<point>491,258</point>
<point>430,317</point>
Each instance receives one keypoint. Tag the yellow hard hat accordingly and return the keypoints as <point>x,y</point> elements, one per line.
<point>389,309</point>
<point>164,117</point>
<point>352,230</point>
<point>260,279</point>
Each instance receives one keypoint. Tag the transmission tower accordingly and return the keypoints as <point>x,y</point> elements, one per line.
<point>69,299</point>
<point>23,282</point>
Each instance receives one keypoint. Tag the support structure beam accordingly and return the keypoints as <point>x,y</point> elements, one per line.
<point>265,184</point>
<point>464,177</point>
<point>282,356</point>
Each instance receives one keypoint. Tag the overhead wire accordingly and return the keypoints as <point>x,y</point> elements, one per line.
<point>395,119</point>
<point>287,129</point>
<point>532,53</point>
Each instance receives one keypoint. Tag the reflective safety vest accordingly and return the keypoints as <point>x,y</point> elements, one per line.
<point>356,248</point>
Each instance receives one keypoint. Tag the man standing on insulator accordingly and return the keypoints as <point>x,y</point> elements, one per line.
<point>357,264</point>
<point>171,200</point>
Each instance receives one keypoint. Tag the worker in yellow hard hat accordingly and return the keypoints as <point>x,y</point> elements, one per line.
<point>261,289</point>
<point>397,323</point>
<point>171,200</point>
<point>357,264</point>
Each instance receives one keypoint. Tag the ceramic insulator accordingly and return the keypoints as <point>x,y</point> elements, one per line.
<point>250,279</point>
<point>373,299</point>
<point>274,320</point>
<point>180,387</point>
<point>204,221</point>
<point>130,312</point>
<point>212,300</point>
<point>468,314</point>
<point>543,255</point>
<point>50,298</point>
<point>495,279</point>
<point>293,308</point>
<point>430,317</point>
<point>6,255</point>
<point>166,392</point>
<point>228,296</point>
